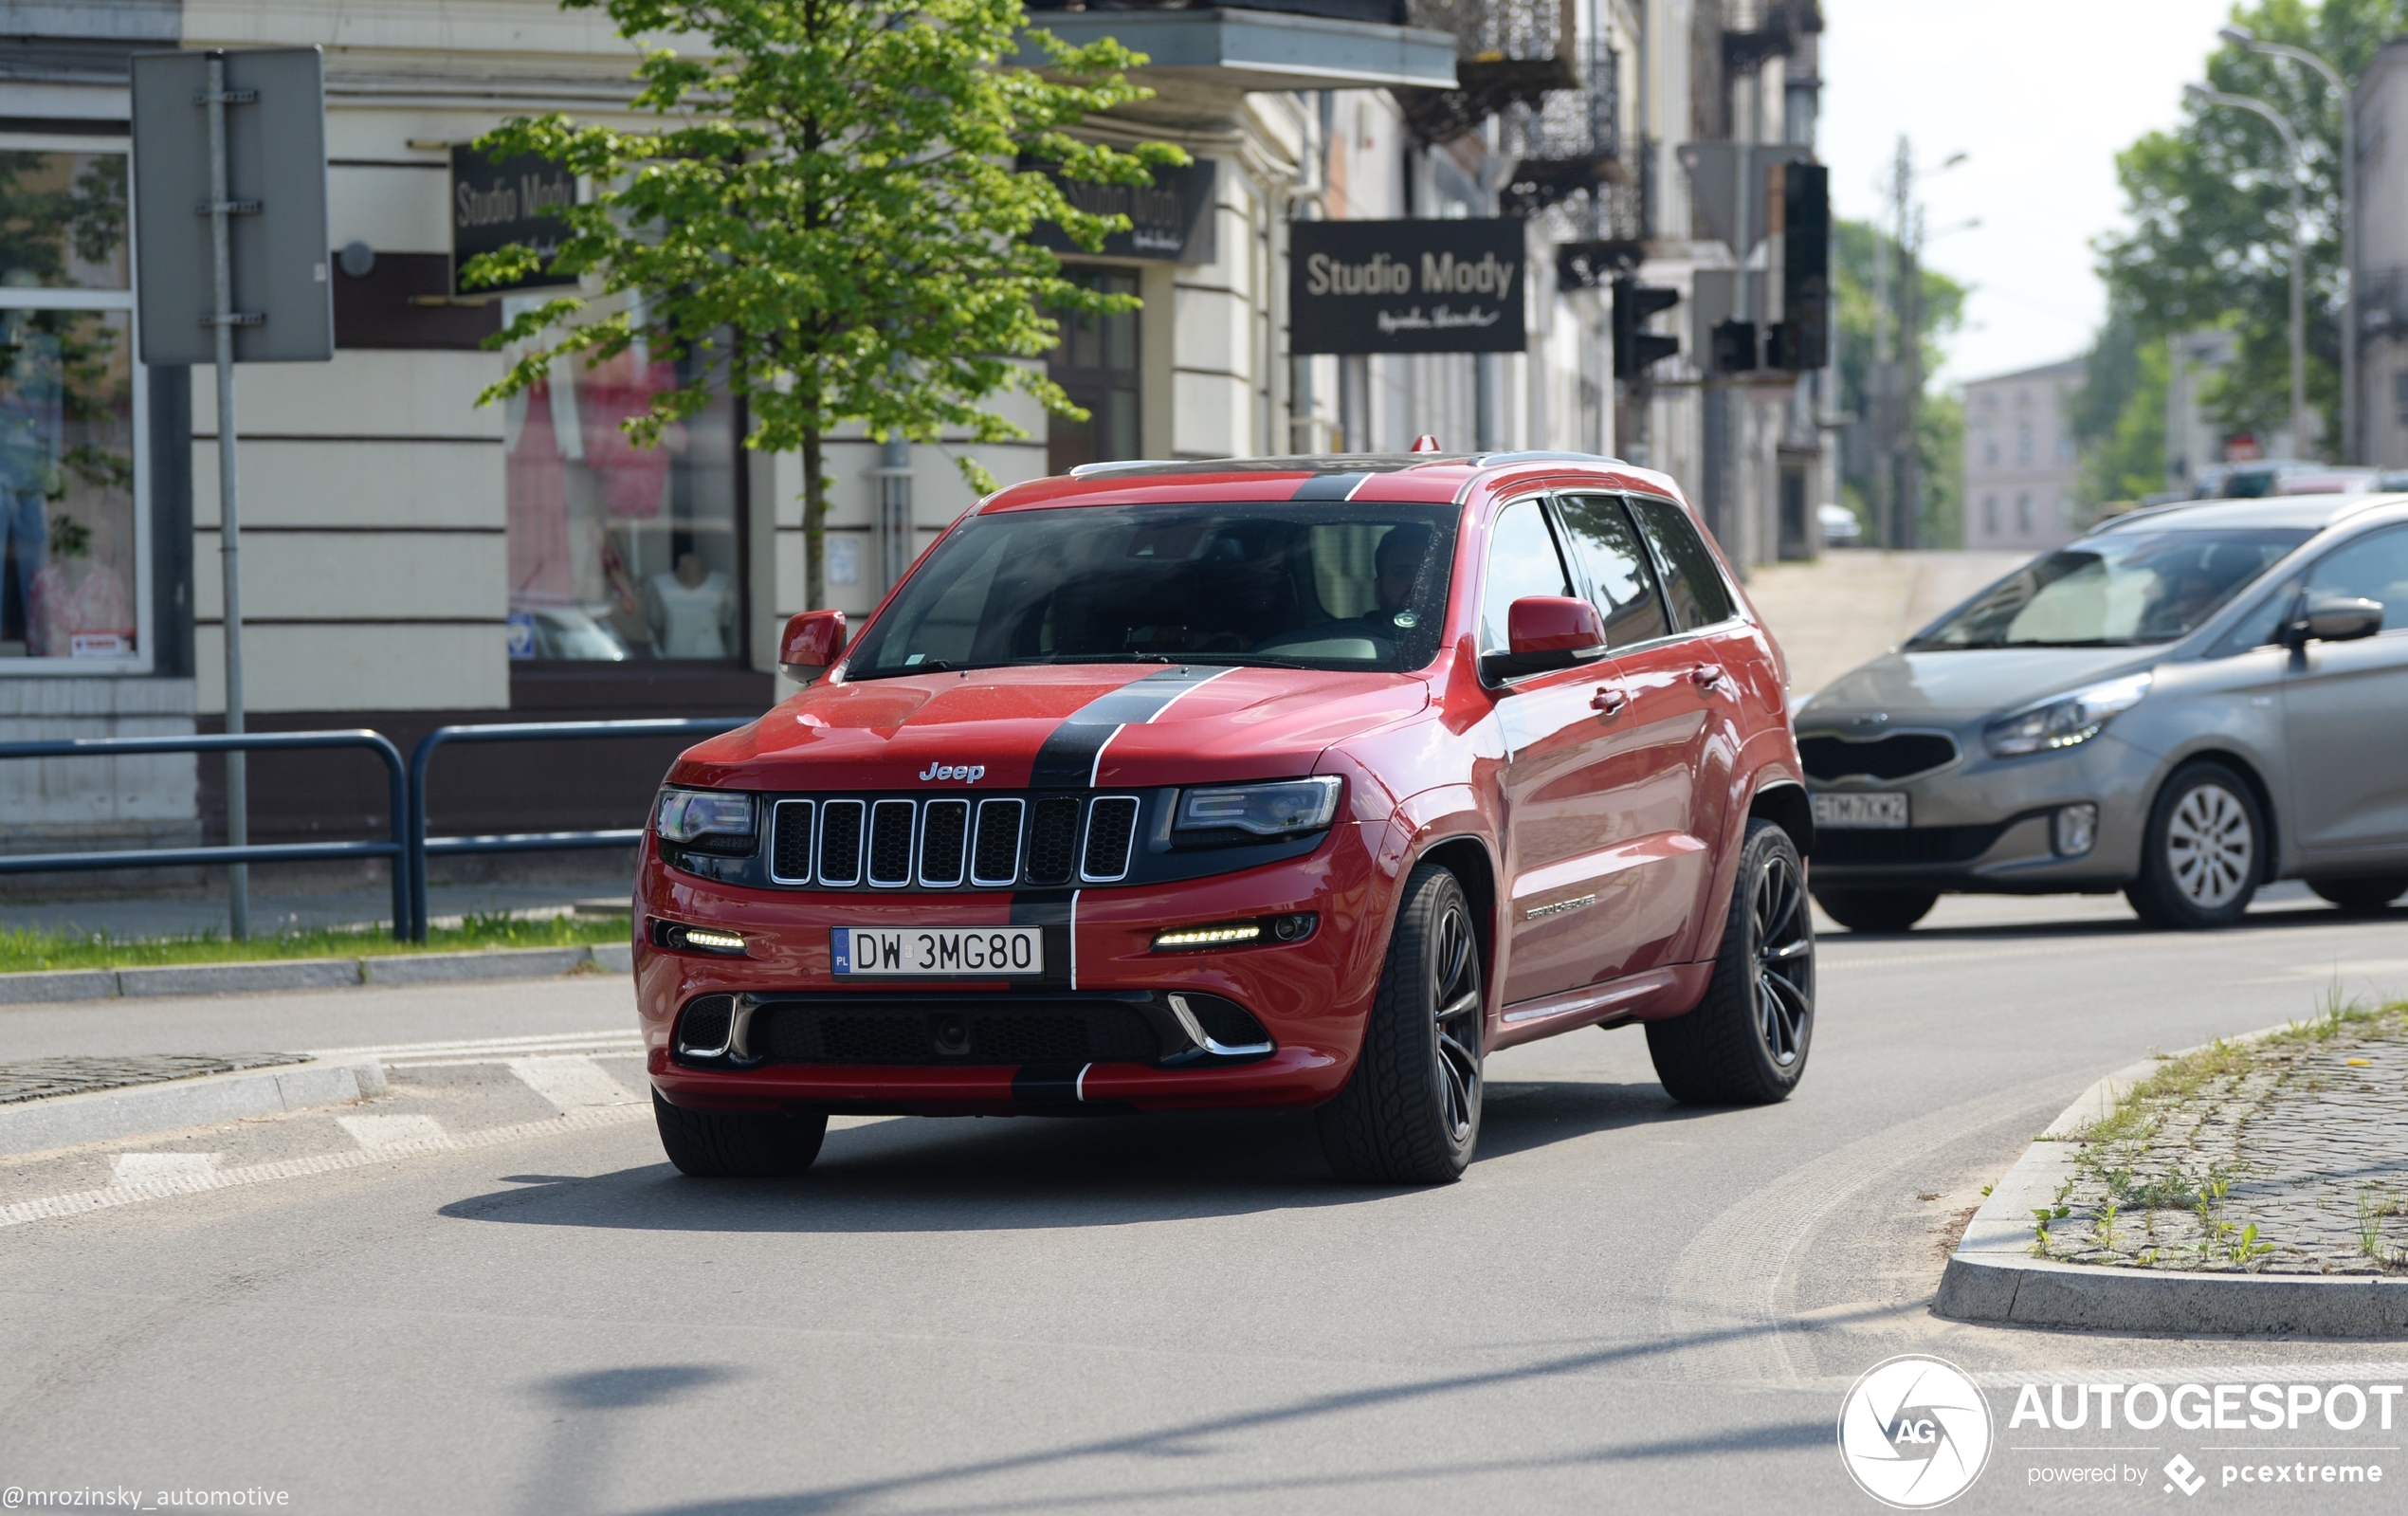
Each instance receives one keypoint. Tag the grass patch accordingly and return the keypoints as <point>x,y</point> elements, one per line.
<point>34,950</point>
<point>2178,1079</point>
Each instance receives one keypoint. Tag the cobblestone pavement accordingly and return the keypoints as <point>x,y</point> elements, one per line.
<point>2290,1156</point>
<point>38,1078</point>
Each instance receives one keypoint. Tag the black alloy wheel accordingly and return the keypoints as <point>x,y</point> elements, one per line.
<point>1875,911</point>
<point>1747,1042</point>
<point>1410,1113</point>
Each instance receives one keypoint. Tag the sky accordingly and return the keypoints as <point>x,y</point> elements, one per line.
<point>2040,96</point>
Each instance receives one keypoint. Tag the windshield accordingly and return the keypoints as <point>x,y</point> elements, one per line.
<point>2116,591</point>
<point>1318,585</point>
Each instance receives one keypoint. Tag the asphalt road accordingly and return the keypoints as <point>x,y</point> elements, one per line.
<point>1626,1306</point>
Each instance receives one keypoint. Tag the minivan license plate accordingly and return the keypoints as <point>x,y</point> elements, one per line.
<point>1878,808</point>
<point>934,952</point>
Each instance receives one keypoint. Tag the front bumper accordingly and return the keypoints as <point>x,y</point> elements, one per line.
<point>1982,825</point>
<point>1310,997</point>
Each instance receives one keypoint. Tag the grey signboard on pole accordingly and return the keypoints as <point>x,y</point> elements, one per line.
<point>229,255</point>
<point>275,177</point>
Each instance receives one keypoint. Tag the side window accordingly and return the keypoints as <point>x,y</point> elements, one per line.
<point>1620,579</point>
<point>1692,586</point>
<point>2375,567</point>
<point>1521,561</point>
<point>2258,627</point>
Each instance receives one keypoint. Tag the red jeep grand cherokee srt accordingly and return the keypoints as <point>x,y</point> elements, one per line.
<point>1279,782</point>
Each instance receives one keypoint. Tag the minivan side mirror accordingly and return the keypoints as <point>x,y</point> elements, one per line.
<point>814,640</point>
<point>1544,631</point>
<point>2335,618</point>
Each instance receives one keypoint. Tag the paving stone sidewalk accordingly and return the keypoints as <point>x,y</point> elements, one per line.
<point>40,1078</point>
<point>2288,1156</point>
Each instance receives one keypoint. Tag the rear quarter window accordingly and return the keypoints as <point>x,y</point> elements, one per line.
<point>1693,587</point>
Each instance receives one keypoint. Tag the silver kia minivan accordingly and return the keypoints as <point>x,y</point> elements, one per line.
<point>2186,704</point>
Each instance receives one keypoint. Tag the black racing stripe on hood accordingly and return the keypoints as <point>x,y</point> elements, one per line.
<point>1066,759</point>
<point>1050,910</point>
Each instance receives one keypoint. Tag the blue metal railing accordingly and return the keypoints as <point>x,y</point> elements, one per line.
<point>421,844</point>
<point>397,848</point>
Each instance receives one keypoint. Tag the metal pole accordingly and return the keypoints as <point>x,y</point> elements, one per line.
<point>2299,318</point>
<point>238,876</point>
<point>2347,102</point>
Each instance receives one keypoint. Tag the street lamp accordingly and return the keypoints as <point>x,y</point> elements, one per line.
<point>2299,307</point>
<point>2243,36</point>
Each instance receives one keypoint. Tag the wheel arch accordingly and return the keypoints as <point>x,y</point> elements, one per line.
<point>1466,858</point>
<point>1783,802</point>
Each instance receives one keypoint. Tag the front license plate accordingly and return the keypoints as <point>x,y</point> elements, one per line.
<point>934,952</point>
<point>1875,809</point>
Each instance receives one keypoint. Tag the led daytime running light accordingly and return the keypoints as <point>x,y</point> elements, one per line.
<point>1209,936</point>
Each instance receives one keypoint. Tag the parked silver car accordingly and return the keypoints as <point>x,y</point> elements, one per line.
<point>2186,704</point>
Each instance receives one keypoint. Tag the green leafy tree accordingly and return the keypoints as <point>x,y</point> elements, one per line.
<point>2118,416</point>
<point>1938,422</point>
<point>832,218</point>
<point>2210,239</point>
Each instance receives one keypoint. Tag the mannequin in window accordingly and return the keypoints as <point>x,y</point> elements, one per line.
<point>692,610</point>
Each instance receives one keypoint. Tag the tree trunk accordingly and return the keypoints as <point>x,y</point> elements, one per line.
<point>814,521</point>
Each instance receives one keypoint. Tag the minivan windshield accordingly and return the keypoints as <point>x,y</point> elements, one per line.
<point>2119,590</point>
<point>1315,584</point>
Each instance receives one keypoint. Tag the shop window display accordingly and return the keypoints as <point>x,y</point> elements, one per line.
<point>70,536</point>
<point>619,552</point>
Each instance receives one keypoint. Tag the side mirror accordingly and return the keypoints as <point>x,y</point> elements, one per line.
<point>814,640</point>
<point>2335,618</point>
<point>1544,631</point>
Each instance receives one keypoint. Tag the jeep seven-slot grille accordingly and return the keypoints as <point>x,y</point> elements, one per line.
<point>952,841</point>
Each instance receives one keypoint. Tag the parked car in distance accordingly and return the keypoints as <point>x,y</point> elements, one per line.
<point>1840,526</point>
<point>1283,783</point>
<point>2183,704</point>
<point>2254,479</point>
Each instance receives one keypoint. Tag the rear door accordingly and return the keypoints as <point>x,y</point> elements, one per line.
<point>2345,714</point>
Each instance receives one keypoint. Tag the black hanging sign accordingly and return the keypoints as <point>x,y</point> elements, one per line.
<point>1170,220</point>
<point>496,202</point>
<point>1405,287</point>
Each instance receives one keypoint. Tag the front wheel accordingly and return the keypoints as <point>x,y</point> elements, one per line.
<point>713,1145</point>
<point>2203,853</point>
<point>1409,1114</point>
<point>1746,1044</point>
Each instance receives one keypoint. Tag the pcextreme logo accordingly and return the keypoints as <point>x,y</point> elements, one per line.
<point>1914,1432</point>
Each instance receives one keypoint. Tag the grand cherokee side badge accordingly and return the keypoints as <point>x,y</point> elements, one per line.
<point>1559,907</point>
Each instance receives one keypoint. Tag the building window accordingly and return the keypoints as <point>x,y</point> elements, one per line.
<point>2024,515</point>
<point>1096,365</point>
<point>2023,442</point>
<point>74,545</point>
<point>620,553</point>
<point>1990,516</point>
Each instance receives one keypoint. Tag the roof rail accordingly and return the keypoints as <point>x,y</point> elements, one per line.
<point>1083,470</point>
<point>1490,460</point>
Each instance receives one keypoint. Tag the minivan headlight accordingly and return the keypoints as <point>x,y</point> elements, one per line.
<point>1283,808</point>
<point>2065,721</point>
<point>704,820</point>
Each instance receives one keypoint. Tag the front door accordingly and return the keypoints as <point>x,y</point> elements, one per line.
<point>2345,716</point>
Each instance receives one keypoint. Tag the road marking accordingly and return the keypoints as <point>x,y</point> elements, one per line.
<point>612,1039</point>
<point>385,1134</point>
<point>130,1168</point>
<point>79,1202</point>
<point>570,1083</point>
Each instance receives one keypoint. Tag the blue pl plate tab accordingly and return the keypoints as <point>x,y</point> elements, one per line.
<point>840,947</point>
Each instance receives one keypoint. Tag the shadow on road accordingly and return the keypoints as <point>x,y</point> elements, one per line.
<point>1011,1173</point>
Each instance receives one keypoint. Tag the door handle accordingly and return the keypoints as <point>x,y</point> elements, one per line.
<point>1607,702</point>
<point>1706,676</point>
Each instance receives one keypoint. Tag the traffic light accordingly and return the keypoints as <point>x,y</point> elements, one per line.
<point>1735,347</point>
<point>1799,206</point>
<point>1636,349</point>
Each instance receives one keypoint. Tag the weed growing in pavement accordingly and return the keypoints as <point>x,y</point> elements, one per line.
<point>2103,1226</point>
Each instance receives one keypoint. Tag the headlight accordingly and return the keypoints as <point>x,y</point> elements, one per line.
<point>2066,720</point>
<point>704,820</point>
<point>1280,809</point>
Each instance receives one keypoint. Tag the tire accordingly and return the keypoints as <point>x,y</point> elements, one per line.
<point>1409,1114</point>
<point>1747,1042</point>
<point>2203,853</point>
<point>714,1144</point>
<point>1876,911</point>
<point>2361,897</point>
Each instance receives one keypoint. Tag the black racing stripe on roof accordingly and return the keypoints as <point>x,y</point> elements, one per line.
<point>1330,486</point>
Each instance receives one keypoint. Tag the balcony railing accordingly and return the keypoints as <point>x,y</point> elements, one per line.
<point>1379,12</point>
<point>1506,54</point>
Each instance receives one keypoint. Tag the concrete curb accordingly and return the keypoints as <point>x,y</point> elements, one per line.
<point>137,1111</point>
<point>1992,1275</point>
<point>311,974</point>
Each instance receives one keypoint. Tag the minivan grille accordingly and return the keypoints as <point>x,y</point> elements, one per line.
<point>846,842</point>
<point>1895,756</point>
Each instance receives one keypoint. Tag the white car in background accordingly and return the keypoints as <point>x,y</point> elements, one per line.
<point>1840,527</point>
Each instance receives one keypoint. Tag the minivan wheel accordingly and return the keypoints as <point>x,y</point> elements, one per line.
<point>2203,853</point>
<point>717,1144</point>
<point>1747,1042</point>
<point>1876,910</point>
<point>2361,897</point>
<point>1409,1114</point>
